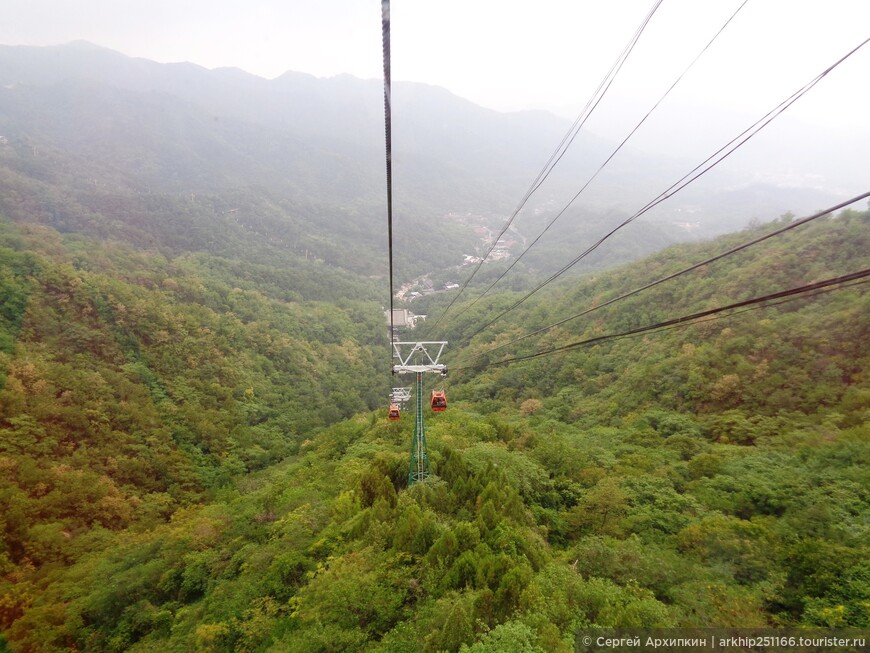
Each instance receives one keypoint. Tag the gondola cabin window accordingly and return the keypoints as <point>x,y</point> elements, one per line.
<point>439,401</point>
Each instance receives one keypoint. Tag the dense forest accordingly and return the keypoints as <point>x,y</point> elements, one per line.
<point>196,455</point>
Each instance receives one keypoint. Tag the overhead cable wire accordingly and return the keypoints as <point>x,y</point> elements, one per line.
<point>603,165</point>
<point>754,307</point>
<point>698,171</point>
<point>388,134</point>
<point>684,320</point>
<point>729,252</point>
<point>562,148</point>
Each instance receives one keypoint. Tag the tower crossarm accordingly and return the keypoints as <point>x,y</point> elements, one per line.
<point>413,357</point>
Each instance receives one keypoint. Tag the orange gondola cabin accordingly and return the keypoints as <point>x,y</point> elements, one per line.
<point>439,401</point>
<point>394,412</point>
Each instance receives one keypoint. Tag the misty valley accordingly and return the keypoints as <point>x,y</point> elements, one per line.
<point>195,376</point>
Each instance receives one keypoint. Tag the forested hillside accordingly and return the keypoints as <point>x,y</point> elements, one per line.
<point>131,386</point>
<point>176,157</point>
<point>194,369</point>
<point>169,483</point>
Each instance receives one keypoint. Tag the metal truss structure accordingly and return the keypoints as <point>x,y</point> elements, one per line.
<point>400,395</point>
<point>418,358</point>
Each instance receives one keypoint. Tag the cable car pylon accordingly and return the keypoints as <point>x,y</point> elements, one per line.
<point>417,358</point>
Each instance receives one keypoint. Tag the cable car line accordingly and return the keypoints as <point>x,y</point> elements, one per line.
<point>687,179</point>
<point>419,467</point>
<point>412,357</point>
<point>729,252</point>
<point>690,177</point>
<point>717,157</point>
<point>603,165</point>
<point>388,133</point>
<point>562,148</point>
<point>836,283</point>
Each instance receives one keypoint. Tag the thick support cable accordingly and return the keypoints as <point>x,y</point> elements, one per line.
<point>685,320</point>
<point>561,149</point>
<point>388,132</point>
<point>604,165</point>
<point>701,169</point>
<point>695,266</point>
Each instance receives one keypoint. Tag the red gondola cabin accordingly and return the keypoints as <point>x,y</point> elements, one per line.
<point>394,412</point>
<point>439,401</point>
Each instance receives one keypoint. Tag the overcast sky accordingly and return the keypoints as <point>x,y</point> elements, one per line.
<point>510,55</point>
<point>503,54</point>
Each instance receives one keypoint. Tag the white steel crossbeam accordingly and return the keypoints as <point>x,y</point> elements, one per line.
<point>418,357</point>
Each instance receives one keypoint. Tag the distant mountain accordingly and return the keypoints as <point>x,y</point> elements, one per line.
<point>178,156</point>
<point>444,146</point>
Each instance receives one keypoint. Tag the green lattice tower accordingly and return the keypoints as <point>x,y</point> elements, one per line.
<point>419,467</point>
<point>417,358</point>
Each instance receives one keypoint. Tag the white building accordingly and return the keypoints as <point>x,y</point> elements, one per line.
<point>403,318</point>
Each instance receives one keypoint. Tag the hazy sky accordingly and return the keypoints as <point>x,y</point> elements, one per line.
<point>504,54</point>
<point>508,55</point>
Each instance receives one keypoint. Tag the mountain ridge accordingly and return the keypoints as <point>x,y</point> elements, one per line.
<point>710,476</point>
<point>486,154</point>
<point>172,131</point>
